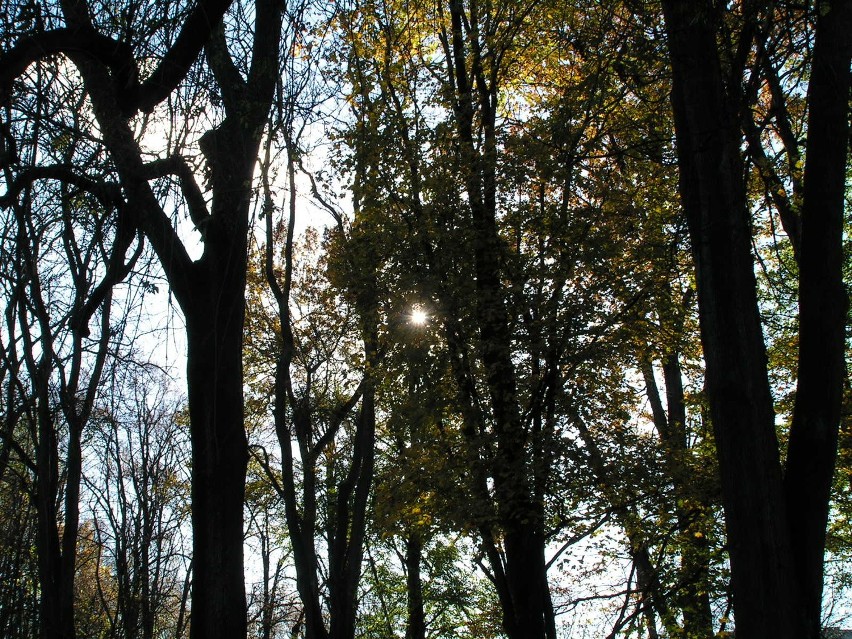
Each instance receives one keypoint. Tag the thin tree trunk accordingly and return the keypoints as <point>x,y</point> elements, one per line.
<point>690,508</point>
<point>416,625</point>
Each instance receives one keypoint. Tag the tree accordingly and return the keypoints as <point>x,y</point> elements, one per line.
<point>491,205</point>
<point>108,55</point>
<point>63,258</point>
<point>19,609</point>
<point>511,171</point>
<point>138,507</point>
<point>776,524</point>
<point>326,445</point>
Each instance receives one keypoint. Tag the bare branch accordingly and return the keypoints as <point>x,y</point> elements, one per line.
<point>118,56</point>
<point>196,31</point>
<point>177,166</point>
<point>108,193</point>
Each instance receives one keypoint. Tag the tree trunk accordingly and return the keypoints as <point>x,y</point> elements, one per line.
<point>741,408</point>
<point>215,313</point>
<point>822,306</point>
<point>219,459</point>
<point>691,507</point>
<point>210,291</point>
<point>519,513</point>
<point>416,627</point>
<point>347,550</point>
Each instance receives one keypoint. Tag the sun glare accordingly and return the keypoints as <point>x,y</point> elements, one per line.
<point>418,316</point>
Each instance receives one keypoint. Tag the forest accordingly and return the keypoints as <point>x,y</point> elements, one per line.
<point>425,319</point>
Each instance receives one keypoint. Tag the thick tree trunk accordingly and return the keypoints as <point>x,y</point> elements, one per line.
<point>56,611</point>
<point>790,593</point>
<point>53,623</point>
<point>219,458</point>
<point>210,291</point>
<point>215,314</point>
<point>822,306</point>
<point>741,408</point>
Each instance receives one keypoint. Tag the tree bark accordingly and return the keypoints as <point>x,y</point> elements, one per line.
<point>789,591</point>
<point>214,306</point>
<point>219,459</point>
<point>416,625</point>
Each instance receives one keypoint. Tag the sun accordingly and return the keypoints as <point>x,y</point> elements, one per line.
<point>419,316</point>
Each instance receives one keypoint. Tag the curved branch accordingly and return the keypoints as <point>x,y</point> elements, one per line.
<point>263,72</point>
<point>177,166</point>
<point>118,56</point>
<point>117,270</point>
<point>195,33</point>
<point>107,193</point>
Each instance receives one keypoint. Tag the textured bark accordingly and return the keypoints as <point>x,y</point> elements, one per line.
<point>219,458</point>
<point>214,305</point>
<point>56,614</point>
<point>741,407</point>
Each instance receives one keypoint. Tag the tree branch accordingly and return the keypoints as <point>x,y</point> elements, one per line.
<point>196,32</point>
<point>177,166</point>
<point>118,56</point>
<point>231,83</point>
<point>107,193</point>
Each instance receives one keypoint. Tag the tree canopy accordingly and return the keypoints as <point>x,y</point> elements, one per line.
<point>523,319</point>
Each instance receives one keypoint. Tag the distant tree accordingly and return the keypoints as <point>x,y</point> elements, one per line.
<point>138,487</point>
<point>19,609</point>
<point>62,254</point>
